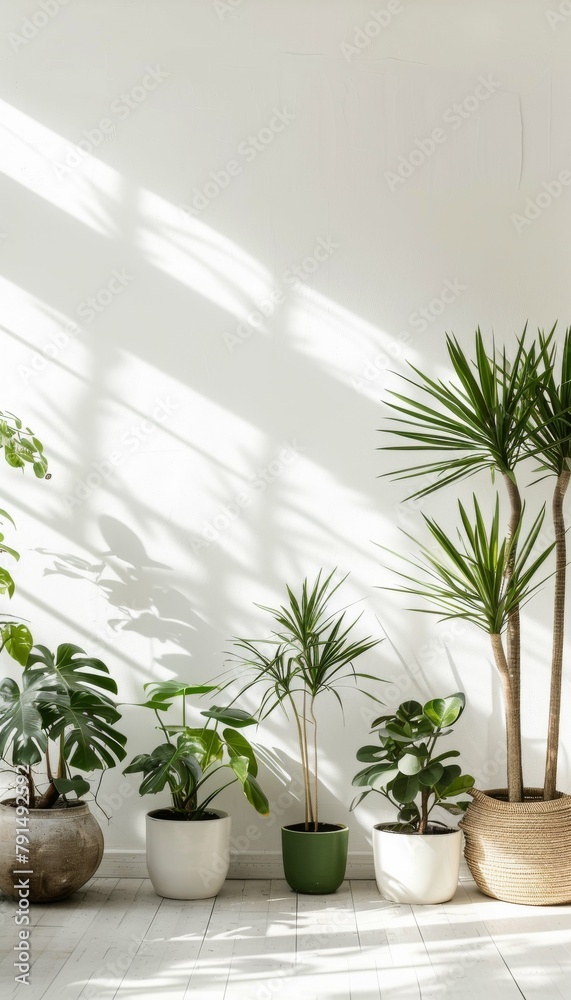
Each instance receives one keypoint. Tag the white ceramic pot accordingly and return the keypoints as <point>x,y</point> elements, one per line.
<point>188,860</point>
<point>416,868</point>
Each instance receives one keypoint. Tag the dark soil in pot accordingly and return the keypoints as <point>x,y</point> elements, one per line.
<point>182,817</point>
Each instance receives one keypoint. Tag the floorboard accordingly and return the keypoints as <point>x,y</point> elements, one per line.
<point>117,940</point>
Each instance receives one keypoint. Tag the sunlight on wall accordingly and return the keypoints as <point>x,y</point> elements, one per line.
<point>199,257</point>
<point>29,153</point>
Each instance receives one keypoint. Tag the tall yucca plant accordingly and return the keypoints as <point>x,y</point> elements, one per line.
<point>310,651</point>
<point>497,412</point>
<point>550,442</point>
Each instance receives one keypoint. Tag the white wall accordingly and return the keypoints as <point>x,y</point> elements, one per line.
<point>157,412</point>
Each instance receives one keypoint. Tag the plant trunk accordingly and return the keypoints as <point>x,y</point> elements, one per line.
<point>513,727</point>
<point>31,789</point>
<point>302,736</point>
<point>315,785</point>
<point>550,782</point>
<point>423,810</point>
<point>513,659</point>
<point>49,798</point>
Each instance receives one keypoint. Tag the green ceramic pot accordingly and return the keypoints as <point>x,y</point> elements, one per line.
<point>315,861</point>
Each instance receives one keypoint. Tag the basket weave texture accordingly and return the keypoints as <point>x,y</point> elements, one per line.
<point>520,852</point>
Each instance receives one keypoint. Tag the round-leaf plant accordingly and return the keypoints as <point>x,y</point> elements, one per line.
<point>406,770</point>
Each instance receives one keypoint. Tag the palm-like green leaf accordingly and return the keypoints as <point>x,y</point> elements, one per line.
<point>309,652</point>
<point>468,578</point>
<point>480,420</point>
<point>549,437</point>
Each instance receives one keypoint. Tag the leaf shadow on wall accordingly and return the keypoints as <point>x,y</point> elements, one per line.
<point>136,586</point>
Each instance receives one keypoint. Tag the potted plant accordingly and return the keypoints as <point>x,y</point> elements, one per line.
<point>309,653</point>
<point>62,716</point>
<point>417,859</point>
<point>188,843</point>
<point>498,412</point>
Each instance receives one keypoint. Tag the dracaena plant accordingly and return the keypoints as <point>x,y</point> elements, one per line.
<point>498,411</point>
<point>21,448</point>
<point>406,769</point>
<point>61,718</point>
<point>309,652</point>
<point>189,757</point>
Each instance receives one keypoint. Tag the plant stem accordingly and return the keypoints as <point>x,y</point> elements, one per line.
<point>513,661</point>
<point>423,810</point>
<point>31,789</point>
<point>550,782</point>
<point>513,728</point>
<point>315,762</point>
<point>303,755</point>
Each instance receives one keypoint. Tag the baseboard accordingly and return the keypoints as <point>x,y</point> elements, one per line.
<point>131,864</point>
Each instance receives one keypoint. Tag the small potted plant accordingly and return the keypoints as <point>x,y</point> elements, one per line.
<point>188,843</point>
<point>309,652</point>
<point>417,859</point>
<point>63,716</point>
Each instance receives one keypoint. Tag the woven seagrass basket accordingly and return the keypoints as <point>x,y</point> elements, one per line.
<point>520,852</point>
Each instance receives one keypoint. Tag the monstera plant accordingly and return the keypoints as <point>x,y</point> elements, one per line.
<point>62,717</point>
<point>59,720</point>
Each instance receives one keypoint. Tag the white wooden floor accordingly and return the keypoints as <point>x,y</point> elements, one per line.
<point>258,941</point>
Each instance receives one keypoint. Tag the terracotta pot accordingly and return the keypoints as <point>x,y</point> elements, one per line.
<point>414,867</point>
<point>188,859</point>
<point>65,849</point>
<point>520,852</point>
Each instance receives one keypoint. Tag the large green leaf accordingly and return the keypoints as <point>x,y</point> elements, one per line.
<point>21,727</point>
<point>168,764</point>
<point>238,746</point>
<point>240,767</point>
<point>445,711</point>
<point>431,774</point>
<point>230,716</point>
<point>409,764</point>
<point>255,795</point>
<point>73,670</point>
<point>78,785</point>
<point>90,740</point>
<point>460,784</point>
<point>6,582</point>
<point>161,692</point>
<point>406,787</point>
<point>17,640</point>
